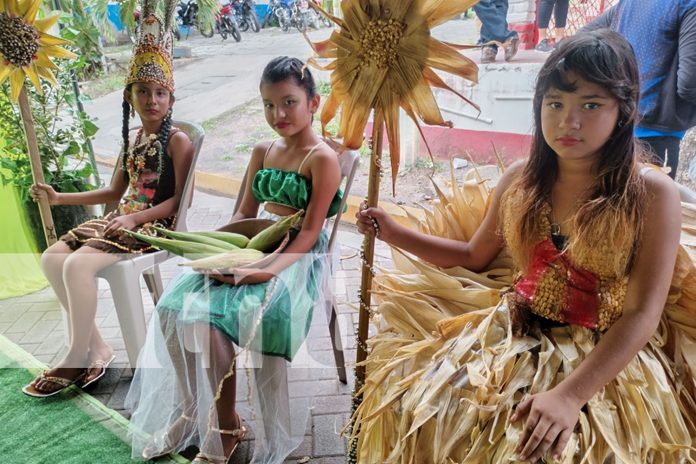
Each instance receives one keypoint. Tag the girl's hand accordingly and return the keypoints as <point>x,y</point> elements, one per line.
<point>38,191</point>
<point>117,223</point>
<point>551,418</point>
<point>245,276</point>
<point>375,221</point>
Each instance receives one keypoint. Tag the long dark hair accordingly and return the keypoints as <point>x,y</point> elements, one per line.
<point>615,204</point>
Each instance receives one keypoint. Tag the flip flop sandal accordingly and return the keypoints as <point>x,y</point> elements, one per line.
<point>64,383</point>
<point>97,364</point>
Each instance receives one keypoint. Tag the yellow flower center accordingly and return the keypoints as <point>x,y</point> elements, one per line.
<point>18,40</point>
<point>380,42</point>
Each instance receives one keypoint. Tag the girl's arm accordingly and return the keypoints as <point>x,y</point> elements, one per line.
<point>444,252</point>
<point>249,207</point>
<point>110,194</point>
<point>552,415</point>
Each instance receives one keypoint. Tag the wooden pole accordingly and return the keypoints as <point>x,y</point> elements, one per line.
<point>36,166</point>
<point>369,245</point>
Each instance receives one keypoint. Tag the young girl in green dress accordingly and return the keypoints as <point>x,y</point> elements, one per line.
<point>189,399</point>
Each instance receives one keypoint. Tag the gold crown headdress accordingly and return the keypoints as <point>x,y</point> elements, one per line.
<point>152,55</point>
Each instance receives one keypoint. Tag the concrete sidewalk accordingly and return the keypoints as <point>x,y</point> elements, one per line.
<point>34,323</point>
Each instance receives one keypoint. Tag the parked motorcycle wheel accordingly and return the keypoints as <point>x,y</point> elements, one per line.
<point>300,23</point>
<point>244,25</point>
<point>284,20</point>
<point>253,22</point>
<point>222,29</point>
<point>233,27</point>
<point>206,30</point>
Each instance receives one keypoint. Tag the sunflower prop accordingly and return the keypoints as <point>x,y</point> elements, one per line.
<point>25,51</point>
<point>383,58</point>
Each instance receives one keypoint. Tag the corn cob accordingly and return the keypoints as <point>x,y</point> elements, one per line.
<point>267,238</point>
<point>196,237</point>
<point>228,260</point>
<point>178,247</point>
<point>239,240</point>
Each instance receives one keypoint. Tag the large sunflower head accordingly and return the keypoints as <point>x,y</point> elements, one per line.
<point>383,58</point>
<point>25,47</point>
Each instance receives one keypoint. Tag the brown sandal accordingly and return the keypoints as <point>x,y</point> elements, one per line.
<point>63,383</point>
<point>240,433</point>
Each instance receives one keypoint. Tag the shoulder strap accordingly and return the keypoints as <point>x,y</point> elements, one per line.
<point>299,169</point>
<point>268,150</point>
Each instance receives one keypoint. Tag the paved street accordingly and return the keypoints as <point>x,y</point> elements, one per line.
<point>34,323</point>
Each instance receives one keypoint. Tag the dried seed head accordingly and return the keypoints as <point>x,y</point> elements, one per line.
<point>19,41</point>
<point>380,42</point>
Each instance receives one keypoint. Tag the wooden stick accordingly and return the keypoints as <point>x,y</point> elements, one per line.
<point>369,245</point>
<point>36,166</point>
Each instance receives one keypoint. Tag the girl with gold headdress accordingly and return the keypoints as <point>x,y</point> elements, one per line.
<point>154,163</point>
<point>589,356</point>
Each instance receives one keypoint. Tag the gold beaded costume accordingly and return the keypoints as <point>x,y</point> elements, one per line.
<point>446,368</point>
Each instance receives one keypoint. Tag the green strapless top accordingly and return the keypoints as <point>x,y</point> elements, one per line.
<point>288,188</point>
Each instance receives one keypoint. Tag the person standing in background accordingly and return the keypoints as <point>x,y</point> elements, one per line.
<point>494,28</point>
<point>559,8</point>
<point>663,36</point>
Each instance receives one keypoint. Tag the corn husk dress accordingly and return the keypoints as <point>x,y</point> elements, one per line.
<point>268,322</point>
<point>446,368</point>
<point>149,172</point>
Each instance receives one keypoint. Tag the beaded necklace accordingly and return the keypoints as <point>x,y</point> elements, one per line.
<point>140,153</point>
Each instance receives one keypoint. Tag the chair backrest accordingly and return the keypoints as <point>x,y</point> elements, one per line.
<point>349,160</point>
<point>196,133</point>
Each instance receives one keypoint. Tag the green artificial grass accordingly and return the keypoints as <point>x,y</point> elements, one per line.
<point>69,428</point>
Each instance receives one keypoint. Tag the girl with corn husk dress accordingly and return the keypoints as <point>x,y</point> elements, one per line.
<point>560,322</point>
<point>185,390</point>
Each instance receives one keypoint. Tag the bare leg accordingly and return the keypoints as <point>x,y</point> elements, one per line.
<point>52,262</point>
<point>79,276</point>
<point>222,376</point>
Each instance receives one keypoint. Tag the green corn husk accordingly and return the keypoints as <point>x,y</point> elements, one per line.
<point>196,237</point>
<point>178,247</point>
<point>267,238</point>
<point>238,240</point>
<point>228,260</point>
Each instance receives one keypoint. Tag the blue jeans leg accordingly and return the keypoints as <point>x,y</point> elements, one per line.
<point>493,16</point>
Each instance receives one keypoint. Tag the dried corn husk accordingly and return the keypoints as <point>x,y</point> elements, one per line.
<point>445,372</point>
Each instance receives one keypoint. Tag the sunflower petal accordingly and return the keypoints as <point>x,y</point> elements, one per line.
<point>48,40</point>
<point>324,48</point>
<point>45,24</point>
<point>59,52</point>
<point>441,11</point>
<point>33,75</point>
<point>441,56</point>
<point>12,6</point>
<point>328,112</point>
<point>435,80</point>
<point>48,75</point>
<point>32,9</point>
<point>44,61</point>
<point>423,102</point>
<point>390,110</point>
<point>16,83</point>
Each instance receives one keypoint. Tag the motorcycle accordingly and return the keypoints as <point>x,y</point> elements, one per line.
<point>226,22</point>
<point>245,11</point>
<point>278,11</point>
<point>187,15</point>
<point>303,16</point>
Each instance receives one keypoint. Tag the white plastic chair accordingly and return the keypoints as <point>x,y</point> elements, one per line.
<point>123,276</point>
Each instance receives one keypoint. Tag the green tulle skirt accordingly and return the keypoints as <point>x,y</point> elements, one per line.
<point>272,318</point>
